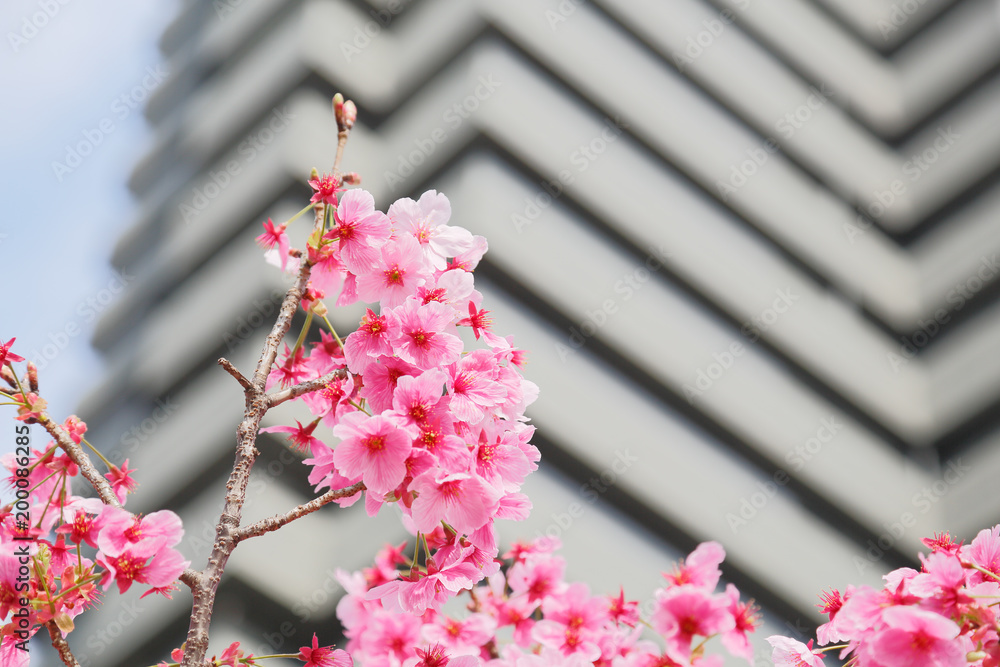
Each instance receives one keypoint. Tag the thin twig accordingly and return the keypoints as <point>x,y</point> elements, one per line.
<point>59,644</point>
<point>297,390</point>
<point>278,520</point>
<point>232,370</point>
<point>190,578</point>
<point>80,458</point>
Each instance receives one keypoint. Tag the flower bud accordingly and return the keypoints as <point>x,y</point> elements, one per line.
<point>350,114</point>
<point>345,112</point>
<point>8,376</point>
<point>319,308</point>
<point>64,622</point>
<point>32,376</point>
<point>352,178</point>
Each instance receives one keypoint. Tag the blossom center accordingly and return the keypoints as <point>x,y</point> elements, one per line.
<point>394,275</point>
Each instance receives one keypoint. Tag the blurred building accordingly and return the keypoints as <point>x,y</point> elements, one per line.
<point>749,244</point>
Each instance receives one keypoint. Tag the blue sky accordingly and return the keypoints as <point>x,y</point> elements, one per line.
<point>64,69</point>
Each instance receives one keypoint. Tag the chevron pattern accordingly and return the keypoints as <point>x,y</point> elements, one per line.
<point>751,246</point>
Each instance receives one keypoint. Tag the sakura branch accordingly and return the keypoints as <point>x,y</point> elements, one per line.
<point>275,522</point>
<point>228,533</point>
<point>309,386</point>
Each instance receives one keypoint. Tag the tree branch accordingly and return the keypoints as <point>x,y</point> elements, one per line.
<point>295,391</point>
<point>232,370</point>
<point>60,645</point>
<point>278,520</point>
<point>80,458</point>
<point>190,578</point>
<point>207,581</point>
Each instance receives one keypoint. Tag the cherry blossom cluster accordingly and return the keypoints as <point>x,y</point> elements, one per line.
<point>57,550</point>
<point>945,615</point>
<point>546,622</point>
<point>417,418</point>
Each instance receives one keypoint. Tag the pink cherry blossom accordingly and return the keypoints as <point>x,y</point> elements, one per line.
<point>984,551</point>
<point>75,427</point>
<point>417,400</point>
<point>121,481</point>
<point>701,568</point>
<point>332,401</point>
<point>465,501</point>
<point>361,231</point>
<point>472,386</point>
<point>326,188</point>
<point>373,448</point>
<point>291,370</point>
<point>538,577</point>
<point>418,336</point>
<point>744,614</point>
<point>426,219</point>
<point>380,379</point>
<point>917,637</point>
<point>81,520</point>
<point>453,288</point>
<point>687,611</point>
<point>275,236</point>
<point>6,356</point>
<point>301,436</point>
<point>790,653</point>
<point>470,632</point>
<point>397,271</point>
<point>144,562</point>
<point>121,528</point>
<point>324,656</point>
<point>371,339</point>
<point>469,259</point>
<point>328,271</point>
<point>326,354</point>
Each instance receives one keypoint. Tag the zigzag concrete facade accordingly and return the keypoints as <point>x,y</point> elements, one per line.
<point>750,245</point>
